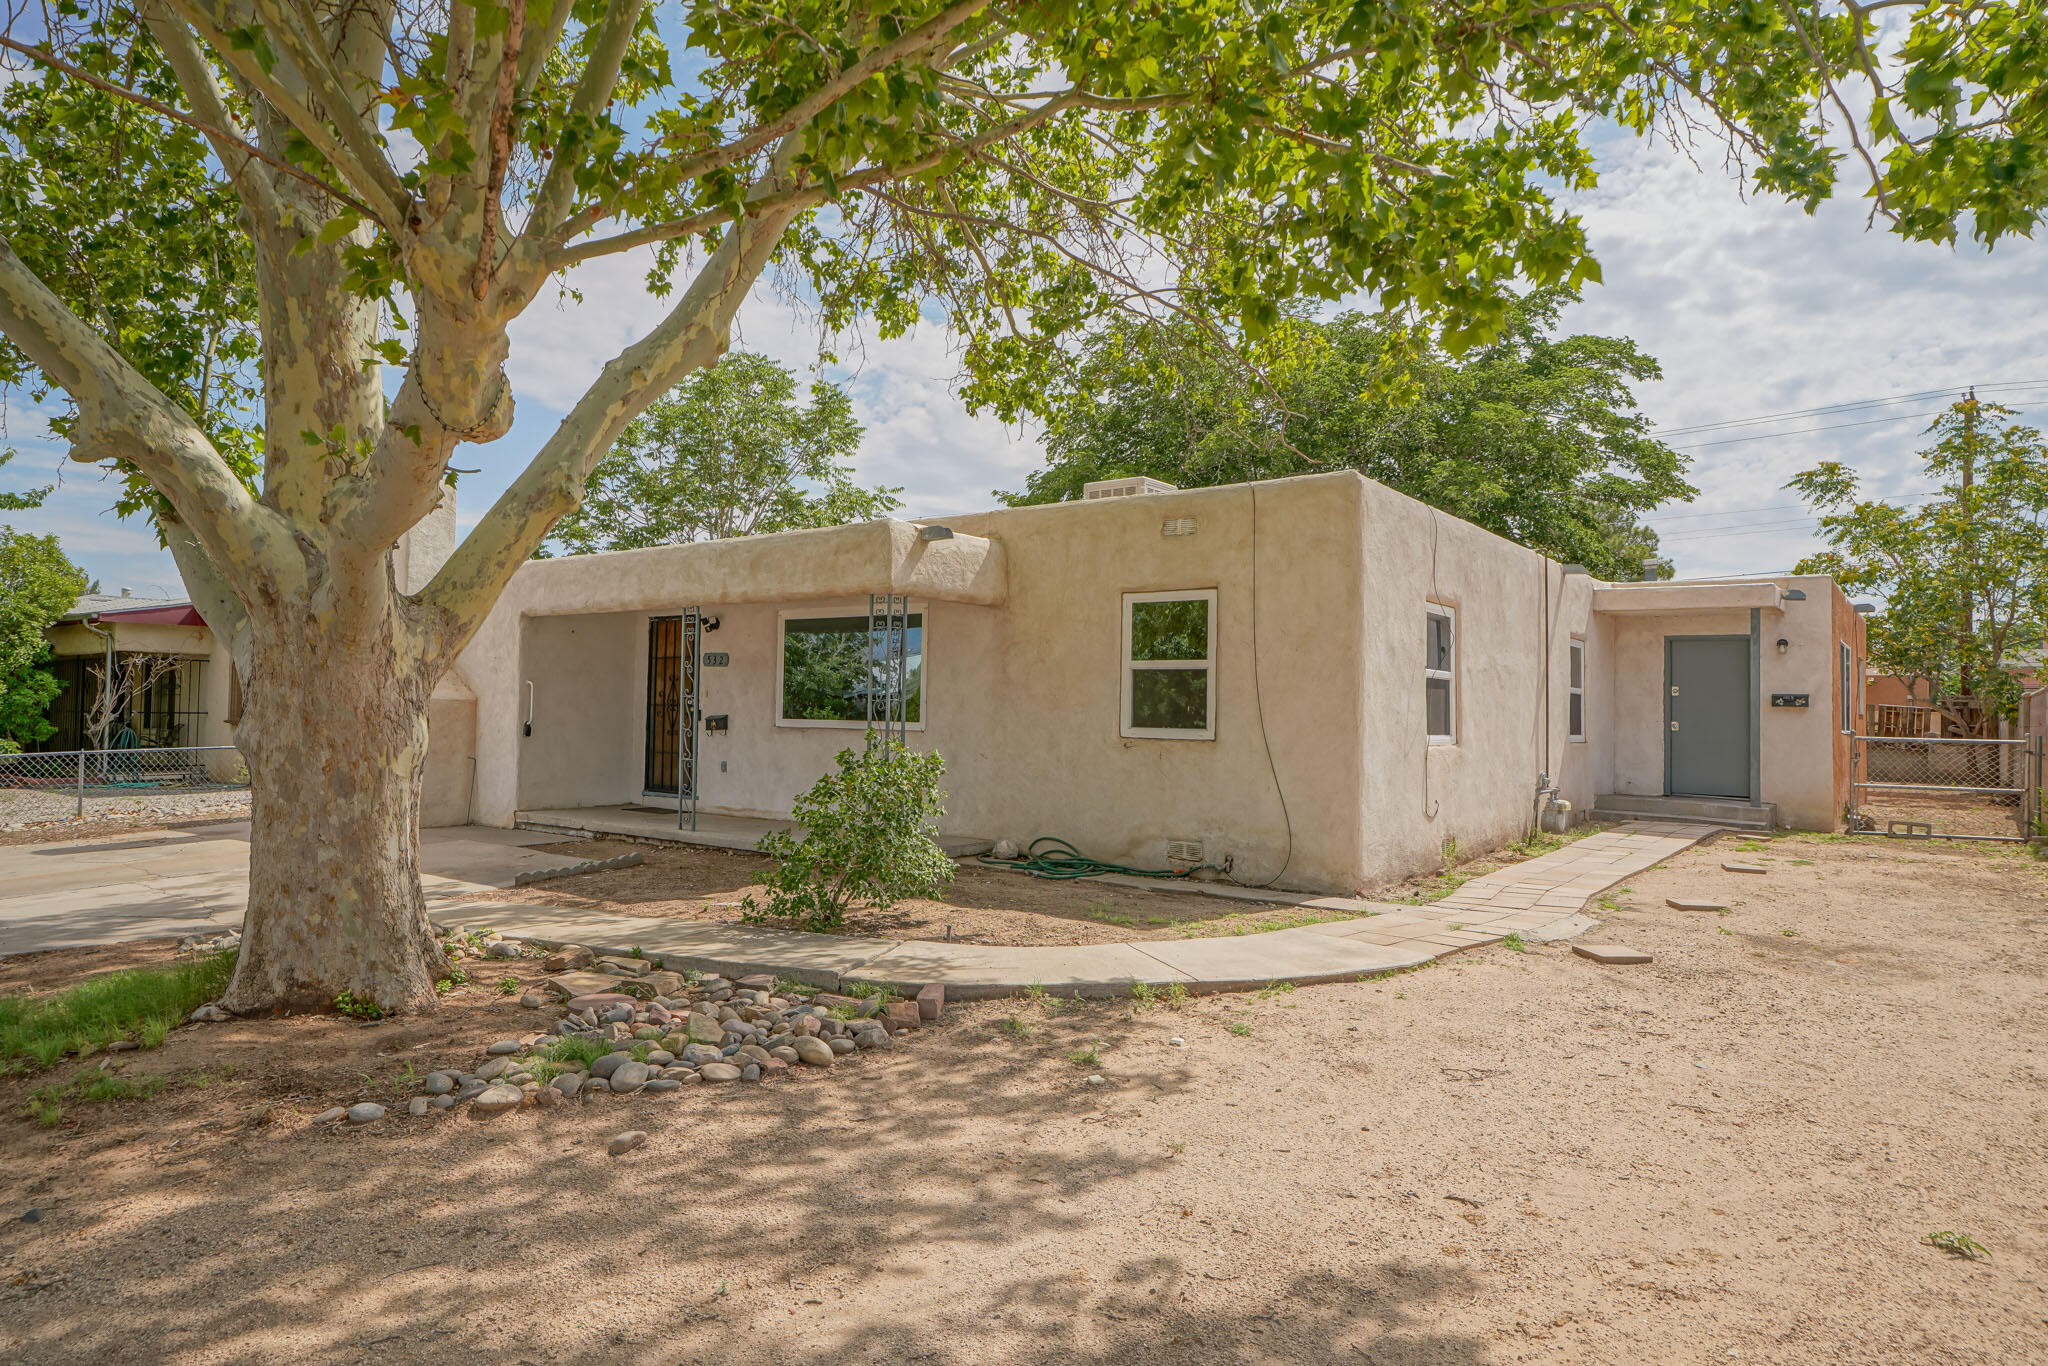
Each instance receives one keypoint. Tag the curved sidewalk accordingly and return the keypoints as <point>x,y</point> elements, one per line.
<point>1539,899</point>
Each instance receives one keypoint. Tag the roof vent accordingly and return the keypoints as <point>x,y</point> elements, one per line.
<point>1124,488</point>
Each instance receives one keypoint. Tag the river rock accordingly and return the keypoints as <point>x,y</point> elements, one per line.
<point>630,1076</point>
<point>418,1105</point>
<point>626,1142</point>
<point>497,1100</point>
<point>439,1083</point>
<point>719,1071</point>
<point>814,1051</point>
<point>569,1083</point>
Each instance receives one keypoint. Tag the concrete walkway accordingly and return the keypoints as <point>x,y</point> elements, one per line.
<point>1539,899</point>
<point>115,888</point>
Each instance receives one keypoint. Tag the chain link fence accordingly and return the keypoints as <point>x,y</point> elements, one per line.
<point>1967,789</point>
<point>105,784</point>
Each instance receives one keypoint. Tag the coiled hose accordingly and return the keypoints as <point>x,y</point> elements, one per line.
<point>1065,861</point>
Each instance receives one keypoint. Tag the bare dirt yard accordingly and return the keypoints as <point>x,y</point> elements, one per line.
<point>1735,1153</point>
<point>983,904</point>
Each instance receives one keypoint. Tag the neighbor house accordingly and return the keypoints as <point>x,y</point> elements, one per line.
<point>1312,683</point>
<point>175,686</point>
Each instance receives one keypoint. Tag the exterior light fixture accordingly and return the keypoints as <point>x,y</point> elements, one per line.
<point>1783,645</point>
<point>1792,595</point>
<point>935,533</point>
<point>1864,609</point>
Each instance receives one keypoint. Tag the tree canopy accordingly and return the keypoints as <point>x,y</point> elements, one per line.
<point>1533,436</point>
<point>729,452</point>
<point>38,584</point>
<point>1964,574</point>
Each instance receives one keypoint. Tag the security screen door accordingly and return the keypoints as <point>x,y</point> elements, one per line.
<point>1706,716</point>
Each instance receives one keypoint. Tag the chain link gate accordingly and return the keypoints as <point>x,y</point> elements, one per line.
<point>1927,788</point>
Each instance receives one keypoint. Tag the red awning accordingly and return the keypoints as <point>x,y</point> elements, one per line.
<point>184,614</point>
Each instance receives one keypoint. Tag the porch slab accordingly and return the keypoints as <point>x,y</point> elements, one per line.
<point>714,829</point>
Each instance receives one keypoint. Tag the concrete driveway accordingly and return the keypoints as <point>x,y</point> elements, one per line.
<point>196,881</point>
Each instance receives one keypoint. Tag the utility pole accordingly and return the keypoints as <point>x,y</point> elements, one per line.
<point>1966,640</point>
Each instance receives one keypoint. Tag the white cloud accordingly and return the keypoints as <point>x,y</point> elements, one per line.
<point>1755,308</point>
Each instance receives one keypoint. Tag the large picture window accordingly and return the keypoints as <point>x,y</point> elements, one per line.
<point>1169,670</point>
<point>830,666</point>
<point>1440,675</point>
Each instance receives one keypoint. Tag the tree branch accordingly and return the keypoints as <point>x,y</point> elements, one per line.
<point>218,135</point>
<point>377,203</point>
<point>694,334</point>
<point>121,415</point>
<point>593,92</point>
<point>501,145</point>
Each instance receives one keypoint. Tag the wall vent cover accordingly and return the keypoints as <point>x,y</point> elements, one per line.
<point>1184,851</point>
<point>1177,526</point>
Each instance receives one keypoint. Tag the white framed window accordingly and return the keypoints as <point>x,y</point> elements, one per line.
<point>1440,674</point>
<point>1575,683</point>
<point>827,662</point>
<point>1169,667</point>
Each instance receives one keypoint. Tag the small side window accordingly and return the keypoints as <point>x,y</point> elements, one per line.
<point>1848,690</point>
<point>1577,683</point>
<point>1169,665</point>
<point>1439,675</point>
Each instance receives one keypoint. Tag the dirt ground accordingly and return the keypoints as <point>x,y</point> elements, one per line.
<point>1732,1154</point>
<point>983,905</point>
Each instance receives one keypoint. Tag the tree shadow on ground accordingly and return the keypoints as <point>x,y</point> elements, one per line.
<point>519,1239</point>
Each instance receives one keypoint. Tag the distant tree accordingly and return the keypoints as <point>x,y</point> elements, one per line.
<point>1533,436</point>
<point>38,584</point>
<point>1964,575</point>
<point>731,452</point>
<point>27,498</point>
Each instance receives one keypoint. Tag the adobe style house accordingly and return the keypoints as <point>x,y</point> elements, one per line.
<point>1315,682</point>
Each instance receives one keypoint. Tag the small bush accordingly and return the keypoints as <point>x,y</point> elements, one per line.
<point>144,1004</point>
<point>866,841</point>
<point>360,1007</point>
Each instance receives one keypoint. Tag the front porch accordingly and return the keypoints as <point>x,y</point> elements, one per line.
<point>713,829</point>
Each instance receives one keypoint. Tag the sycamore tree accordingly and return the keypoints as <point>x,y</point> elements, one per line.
<point>1530,435</point>
<point>1964,575</point>
<point>409,177</point>
<point>729,452</point>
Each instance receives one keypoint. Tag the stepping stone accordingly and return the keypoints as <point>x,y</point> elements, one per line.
<point>1680,904</point>
<point>1610,953</point>
<point>1744,868</point>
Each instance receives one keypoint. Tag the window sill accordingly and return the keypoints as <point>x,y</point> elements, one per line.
<point>1575,739</point>
<point>1139,734</point>
<point>1443,742</point>
<point>787,723</point>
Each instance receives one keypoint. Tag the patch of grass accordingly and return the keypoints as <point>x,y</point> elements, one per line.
<point>1239,1028</point>
<point>635,951</point>
<point>1515,942</point>
<point>1175,996</point>
<point>1091,1056</point>
<point>1273,989</point>
<point>1236,922</point>
<point>1176,1146</point>
<point>1789,934</point>
<point>864,991</point>
<point>46,1104</point>
<point>1957,1245</point>
<point>358,1007</point>
<point>1802,863</point>
<point>1142,994</point>
<point>143,1004</point>
<point>574,1048</point>
<point>507,985</point>
<point>1037,995</point>
<point>1015,1027</point>
<point>543,1070</point>
<point>456,978</point>
<point>1159,921</point>
<point>789,986</point>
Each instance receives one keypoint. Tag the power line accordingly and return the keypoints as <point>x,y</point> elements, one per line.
<point>1780,507</point>
<point>1831,408</point>
<point>1808,431</point>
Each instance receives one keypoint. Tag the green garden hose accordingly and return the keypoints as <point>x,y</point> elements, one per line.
<point>1065,861</point>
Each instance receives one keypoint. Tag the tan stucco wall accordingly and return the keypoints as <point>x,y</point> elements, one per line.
<point>1023,618</point>
<point>451,756</point>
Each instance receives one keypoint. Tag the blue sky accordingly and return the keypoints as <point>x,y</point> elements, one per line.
<point>1751,307</point>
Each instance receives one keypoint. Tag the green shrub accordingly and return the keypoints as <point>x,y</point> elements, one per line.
<point>866,841</point>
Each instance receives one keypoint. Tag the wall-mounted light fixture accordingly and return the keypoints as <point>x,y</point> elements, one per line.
<point>935,533</point>
<point>1783,645</point>
<point>1864,609</point>
<point>707,624</point>
<point>1792,595</point>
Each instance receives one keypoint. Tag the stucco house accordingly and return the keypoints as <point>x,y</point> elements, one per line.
<point>191,700</point>
<point>1314,683</point>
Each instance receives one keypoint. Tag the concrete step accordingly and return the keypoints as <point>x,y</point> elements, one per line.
<point>1715,810</point>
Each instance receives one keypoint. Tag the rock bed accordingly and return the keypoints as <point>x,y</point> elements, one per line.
<point>631,1027</point>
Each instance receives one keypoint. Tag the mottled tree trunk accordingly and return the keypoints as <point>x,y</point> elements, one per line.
<point>335,733</point>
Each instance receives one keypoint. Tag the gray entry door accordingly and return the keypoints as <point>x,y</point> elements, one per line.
<point>1706,716</point>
